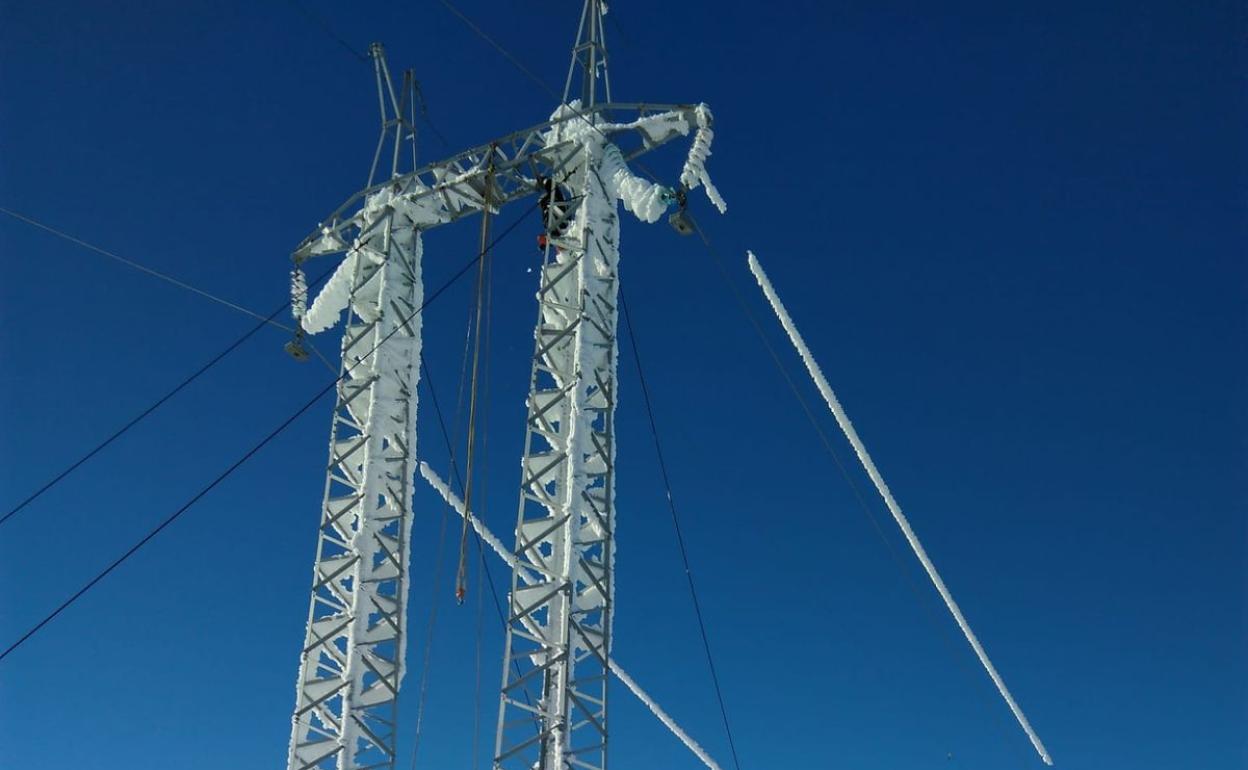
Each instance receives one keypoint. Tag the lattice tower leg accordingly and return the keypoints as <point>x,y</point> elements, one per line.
<point>352,661</point>
<point>553,705</point>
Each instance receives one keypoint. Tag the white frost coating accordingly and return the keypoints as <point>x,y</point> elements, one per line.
<point>847,427</point>
<point>457,505</point>
<point>352,652</point>
<point>327,308</point>
<point>646,200</point>
<point>328,243</point>
<point>298,293</point>
<point>694,173</point>
<point>450,497</point>
<point>656,127</point>
<point>329,304</point>
<point>415,322</point>
<point>655,709</point>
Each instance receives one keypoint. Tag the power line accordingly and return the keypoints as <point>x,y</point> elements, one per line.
<point>938,628</point>
<point>264,321</point>
<point>324,25</point>
<point>320,21</point>
<point>680,538</point>
<point>150,271</point>
<point>256,448</point>
<point>160,527</point>
<point>498,47</point>
<point>535,78</point>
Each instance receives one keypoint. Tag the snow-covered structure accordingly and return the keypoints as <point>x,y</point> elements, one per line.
<point>553,705</point>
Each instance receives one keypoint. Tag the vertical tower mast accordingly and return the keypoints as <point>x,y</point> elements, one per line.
<point>553,705</point>
<point>352,659</point>
<point>589,56</point>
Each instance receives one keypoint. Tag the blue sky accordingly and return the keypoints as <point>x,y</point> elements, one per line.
<point>1013,234</point>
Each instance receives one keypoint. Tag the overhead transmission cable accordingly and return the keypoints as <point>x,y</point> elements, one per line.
<point>327,28</point>
<point>436,581</point>
<point>498,47</point>
<point>510,57</point>
<point>684,554</point>
<point>939,629</point>
<point>253,450</point>
<point>834,405</point>
<point>320,21</point>
<point>680,538</point>
<point>150,271</point>
<point>461,573</point>
<point>483,573</point>
<point>489,580</point>
<point>211,362</point>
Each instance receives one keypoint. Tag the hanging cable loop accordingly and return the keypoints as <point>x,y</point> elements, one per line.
<point>461,572</point>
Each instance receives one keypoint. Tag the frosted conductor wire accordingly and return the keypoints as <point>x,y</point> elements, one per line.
<point>662,715</point>
<point>842,419</point>
<point>486,536</point>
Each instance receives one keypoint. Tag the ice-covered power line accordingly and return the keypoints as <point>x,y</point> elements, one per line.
<point>434,480</point>
<point>851,434</point>
<point>662,715</point>
<point>457,505</point>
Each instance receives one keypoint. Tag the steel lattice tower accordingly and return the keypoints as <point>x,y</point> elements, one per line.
<point>554,697</point>
<point>553,705</point>
<point>352,660</point>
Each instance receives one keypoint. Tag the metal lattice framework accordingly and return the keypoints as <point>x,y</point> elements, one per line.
<point>353,653</point>
<point>553,704</point>
<point>554,698</point>
<point>455,187</point>
<point>352,659</point>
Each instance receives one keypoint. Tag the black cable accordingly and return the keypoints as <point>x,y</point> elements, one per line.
<point>320,21</point>
<point>146,538</point>
<point>156,405</point>
<point>328,30</point>
<point>251,452</point>
<point>498,47</point>
<point>142,268</point>
<point>680,538</point>
<point>536,79</point>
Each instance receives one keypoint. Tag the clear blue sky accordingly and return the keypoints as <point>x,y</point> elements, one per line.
<point>1013,233</point>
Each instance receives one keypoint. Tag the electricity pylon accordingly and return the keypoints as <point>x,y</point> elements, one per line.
<point>553,708</point>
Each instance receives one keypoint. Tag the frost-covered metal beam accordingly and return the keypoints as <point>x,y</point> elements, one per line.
<point>352,663</point>
<point>842,419</point>
<point>488,537</point>
<point>455,187</point>
<point>553,706</point>
<point>352,658</point>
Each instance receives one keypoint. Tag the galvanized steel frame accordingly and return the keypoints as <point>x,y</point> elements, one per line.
<point>553,704</point>
<point>360,577</point>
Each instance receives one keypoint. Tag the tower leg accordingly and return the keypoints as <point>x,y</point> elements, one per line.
<point>553,706</point>
<point>352,659</point>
